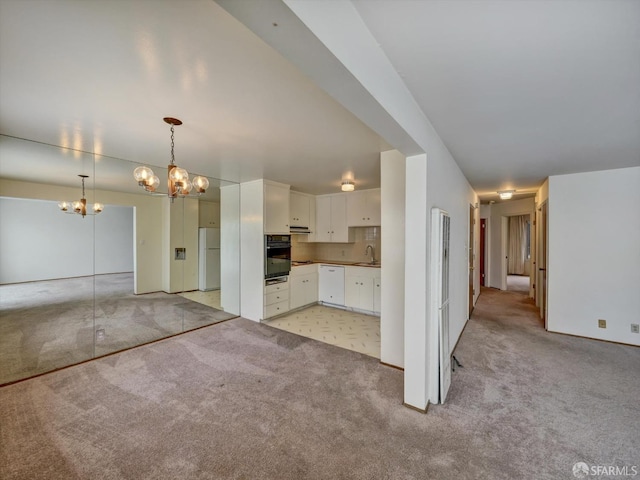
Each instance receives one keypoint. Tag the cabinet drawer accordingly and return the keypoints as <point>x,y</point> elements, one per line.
<point>276,287</point>
<point>276,309</point>
<point>276,297</point>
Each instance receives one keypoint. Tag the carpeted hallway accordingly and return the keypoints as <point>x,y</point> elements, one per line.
<point>241,400</point>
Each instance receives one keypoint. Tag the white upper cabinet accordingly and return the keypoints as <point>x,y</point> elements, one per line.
<point>331,219</point>
<point>276,208</point>
<point>208,214</point>
<point>300,210</point>
<point>363,208</point>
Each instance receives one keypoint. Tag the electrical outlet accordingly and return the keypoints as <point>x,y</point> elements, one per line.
<point>343,253</point>
<point>635,328</point>
<point>100,334</point>
<point>602,323</point>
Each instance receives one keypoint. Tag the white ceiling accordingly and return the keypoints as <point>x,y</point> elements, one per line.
<point>520,90</point>
<point>100,76</point>
<point>517,90</point>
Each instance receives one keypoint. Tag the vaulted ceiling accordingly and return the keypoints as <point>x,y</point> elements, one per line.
<point>518,91</point>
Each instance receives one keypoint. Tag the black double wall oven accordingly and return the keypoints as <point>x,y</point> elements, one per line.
<point>277,256</point>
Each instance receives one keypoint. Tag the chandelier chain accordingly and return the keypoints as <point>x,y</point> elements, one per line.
<point>173,158</point>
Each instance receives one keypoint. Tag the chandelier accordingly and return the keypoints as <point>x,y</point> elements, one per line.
<point>80,206</point>
<point>178,178</point>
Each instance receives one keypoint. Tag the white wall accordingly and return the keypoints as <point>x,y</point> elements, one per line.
<point>252,250</point>
<point>594,254</point>
<point>39,242</point>
<point>147,216</point>
<point>230,245</point>
<point>496,246</point>
<point>180,230</point>
<point>392,170</point>
<point>448,189</point>
<point>114,240</point>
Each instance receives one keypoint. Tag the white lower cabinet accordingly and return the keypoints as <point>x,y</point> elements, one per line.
<point>362,288</point>
<point>303,290</point>
<point>276,299</point>
<point>377,294</point>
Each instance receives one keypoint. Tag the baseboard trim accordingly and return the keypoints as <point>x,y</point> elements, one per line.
<point>593,338</point>
<point>411,407</point>
<point>392,366</point>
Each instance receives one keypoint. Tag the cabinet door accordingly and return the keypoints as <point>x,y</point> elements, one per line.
<point>352,291</point>
<point>323,219</point>
<point>299,210</point>
<point>339,228</point>
<point>276,208</point>
<point>208,214</point>
<point>366,294</point>
<point>356,209</point>
<point>311,288</point>
<point>297,291</point>
<point>373,207</point>
<point>377,295</point>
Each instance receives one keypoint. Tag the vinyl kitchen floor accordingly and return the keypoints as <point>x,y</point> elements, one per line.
<point>342,328</point>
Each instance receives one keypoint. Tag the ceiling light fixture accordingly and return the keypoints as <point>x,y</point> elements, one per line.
<point>506,194</point>
<point>178,181</point>
<point>80,206</point>
<point>348,186</point>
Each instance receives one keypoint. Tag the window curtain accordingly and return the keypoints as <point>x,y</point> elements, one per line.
<point>517,244</point>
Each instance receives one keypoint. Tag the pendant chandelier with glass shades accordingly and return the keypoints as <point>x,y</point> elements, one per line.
<point>178,182</point>
<point>80,206</point>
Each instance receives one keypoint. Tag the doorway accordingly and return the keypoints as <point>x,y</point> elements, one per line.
<point>518,258</point>
<point>541,260</point>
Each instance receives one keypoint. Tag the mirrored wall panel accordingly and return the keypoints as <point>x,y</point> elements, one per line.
<point>91,263</point>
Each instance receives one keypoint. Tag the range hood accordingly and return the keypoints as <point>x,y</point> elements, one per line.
<point>298,230</point>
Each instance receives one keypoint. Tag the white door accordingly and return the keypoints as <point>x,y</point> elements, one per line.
<point>440,228</point>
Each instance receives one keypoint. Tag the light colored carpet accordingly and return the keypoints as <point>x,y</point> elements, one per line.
<point>51,324</point>
<point>241,400</point>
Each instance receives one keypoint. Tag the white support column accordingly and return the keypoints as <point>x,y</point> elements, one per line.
<point>416,328</point>
<point>392,174</point>
<point>252,249</point>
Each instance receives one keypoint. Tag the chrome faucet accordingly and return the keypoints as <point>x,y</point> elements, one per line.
<point>373,255</point>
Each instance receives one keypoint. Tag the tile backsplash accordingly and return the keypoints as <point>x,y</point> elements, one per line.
<point>340,252</point>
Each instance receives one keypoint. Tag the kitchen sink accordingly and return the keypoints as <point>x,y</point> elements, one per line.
<point>366,264</point>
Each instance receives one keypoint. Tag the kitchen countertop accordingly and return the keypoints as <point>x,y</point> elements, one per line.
<point>295,263</point>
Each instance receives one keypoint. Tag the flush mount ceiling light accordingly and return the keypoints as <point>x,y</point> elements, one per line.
<point>178,181</point>
<point>506,194</point>
<point>348,186</point>
<point>80,206</point>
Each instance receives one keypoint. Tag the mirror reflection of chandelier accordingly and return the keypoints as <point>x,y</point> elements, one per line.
<point>80,206</point>
<point>178,178</point>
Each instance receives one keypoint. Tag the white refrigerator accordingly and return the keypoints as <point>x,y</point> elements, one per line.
<point>209,259</point>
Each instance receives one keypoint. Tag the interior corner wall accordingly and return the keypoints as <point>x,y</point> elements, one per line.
<point>594,254</point>
<point>392,174</point>
<point>495,245</point>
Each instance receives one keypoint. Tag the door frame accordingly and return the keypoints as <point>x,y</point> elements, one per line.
<point>482,248</point>
<point>471,292</point>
